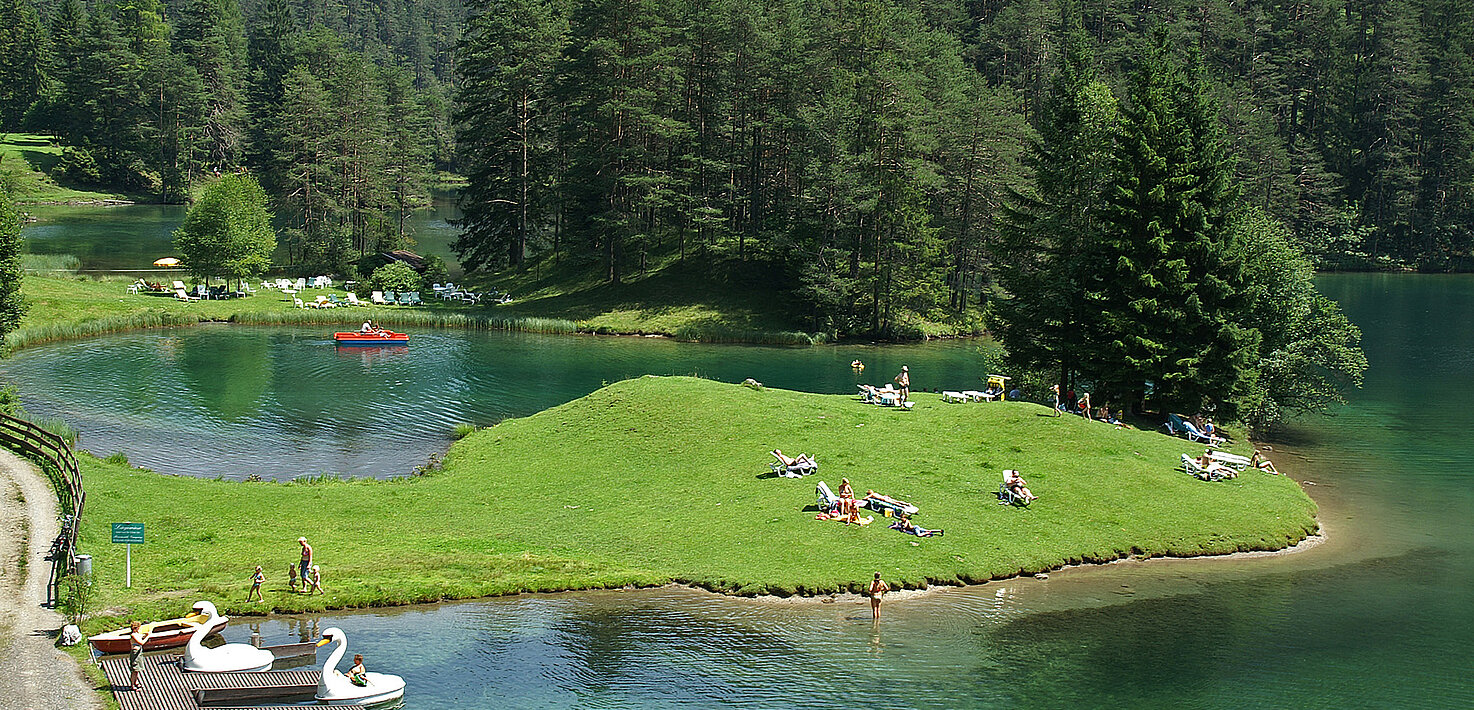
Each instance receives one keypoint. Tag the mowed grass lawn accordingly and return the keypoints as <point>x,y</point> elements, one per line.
<point>664,479</point>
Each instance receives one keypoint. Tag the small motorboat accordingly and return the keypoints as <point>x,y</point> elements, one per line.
<point>229,658</point>
<point>334,688</point>
<point>374,337</point>
<point>168,633</point>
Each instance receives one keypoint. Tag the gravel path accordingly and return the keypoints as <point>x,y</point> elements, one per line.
<point>33,672</point>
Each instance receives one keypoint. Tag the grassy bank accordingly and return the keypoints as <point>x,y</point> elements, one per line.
<point>696,299</point>
<point>663,479</point>
<point>65,308</point>
<point>26,161</point>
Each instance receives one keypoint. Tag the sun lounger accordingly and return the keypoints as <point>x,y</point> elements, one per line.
<point>404,299</point>
<point>826,498</point>
<point>414,298</point>
<point>1227,459</point>
<point>1006,496</point>
<point>887,506</point>
<point>378,298</point>
<point>391,298</point>
<point>298,302</point>
<point>353,300</point>
<point>975,395</point>
<point>800,467</point>
<point>1193,434</point>
<point>182,296</point>
<point>1211,472</point>
<point>950,396</point>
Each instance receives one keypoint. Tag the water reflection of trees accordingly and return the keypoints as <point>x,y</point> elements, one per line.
<point>228,371</point>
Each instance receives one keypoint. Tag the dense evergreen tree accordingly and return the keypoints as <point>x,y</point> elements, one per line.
<point>1167,276</point>
<point>12,303</point>
<point>1049,251</point>
<point>23,60</point>
<point>506,127</point>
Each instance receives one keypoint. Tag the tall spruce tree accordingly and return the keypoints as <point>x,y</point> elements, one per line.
<point>1167,281</point>
<point>23,60</point>
<point>504,123</point>
<point>1048,252</point>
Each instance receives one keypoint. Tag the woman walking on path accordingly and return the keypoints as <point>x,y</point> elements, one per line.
<point>878,588</point>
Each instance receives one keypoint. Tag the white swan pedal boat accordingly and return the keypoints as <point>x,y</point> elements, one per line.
<point>334,688</point>
<point>230,658</point>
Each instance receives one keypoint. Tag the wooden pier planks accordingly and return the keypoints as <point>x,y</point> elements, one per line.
<point>167,687</point>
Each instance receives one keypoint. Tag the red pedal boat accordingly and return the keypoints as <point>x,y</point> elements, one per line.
<point>161,634</point>
<point>378,337</point>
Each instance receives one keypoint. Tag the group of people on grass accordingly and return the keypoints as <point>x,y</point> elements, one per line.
<point>309,574</point>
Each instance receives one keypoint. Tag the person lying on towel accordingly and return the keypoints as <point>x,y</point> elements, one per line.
<point>906,526</point>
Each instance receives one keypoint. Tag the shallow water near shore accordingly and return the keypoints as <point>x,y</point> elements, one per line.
<point>1377,616</point>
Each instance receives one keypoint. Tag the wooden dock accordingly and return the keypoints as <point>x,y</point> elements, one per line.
<point>165,686</point>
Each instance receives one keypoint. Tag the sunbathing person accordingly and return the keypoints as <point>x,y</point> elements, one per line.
<point>1016,484</point>
<point>1215,468</point>
<point>1261,463</point>
<point>800,461</point>
<point>906,526</point>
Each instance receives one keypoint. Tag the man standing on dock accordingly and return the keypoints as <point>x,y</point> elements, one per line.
<point>305,565</point>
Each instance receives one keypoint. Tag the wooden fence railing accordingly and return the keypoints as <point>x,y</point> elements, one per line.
<point>28,439</point>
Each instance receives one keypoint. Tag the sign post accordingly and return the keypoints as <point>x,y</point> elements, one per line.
<point>129,534</point>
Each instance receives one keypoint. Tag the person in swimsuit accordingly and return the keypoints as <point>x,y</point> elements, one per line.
<point>305,565</point>
<point>1261,463</point>
<point>1016,483</point>
<point>316,580</point>
<point>136,639</point>
<point>357,675</point>
<point>257,579</point>
<point>292,576</point>
<point>878,588</point>
<point>847,505</point>
<point>903,381</point>
<point>800,461</point>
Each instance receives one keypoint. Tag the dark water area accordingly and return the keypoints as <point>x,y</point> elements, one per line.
<point>131,237</point>
<point>1378,616</point>
<point>284,401</point>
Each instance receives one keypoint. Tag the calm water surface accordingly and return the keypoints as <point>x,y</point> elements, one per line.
<point>1379,616</point>
<point>284,401</point>
<point>131,237</point>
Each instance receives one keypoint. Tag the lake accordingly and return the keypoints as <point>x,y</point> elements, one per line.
<point>1378,616</point>
<point>279,402</point>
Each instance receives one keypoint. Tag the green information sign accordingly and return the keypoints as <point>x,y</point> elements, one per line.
<point>128,533</point>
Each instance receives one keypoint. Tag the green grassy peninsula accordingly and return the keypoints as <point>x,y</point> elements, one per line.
<point>659,480</point>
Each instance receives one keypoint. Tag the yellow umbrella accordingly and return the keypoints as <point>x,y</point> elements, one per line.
<point>167,261</point>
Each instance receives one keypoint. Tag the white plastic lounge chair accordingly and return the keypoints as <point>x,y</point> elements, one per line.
<point>1213,472</point>
<point>179,294</point>
<point>1194,434</point>
<point>299,302</point>
<point>950,396</point>
<point>1227,459</point>
<point>975,395</point>
<point>353,300</point>
<point>798,469</point>
<point>301,284</point>
<point>378,298</point>
<point>827,499</point>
